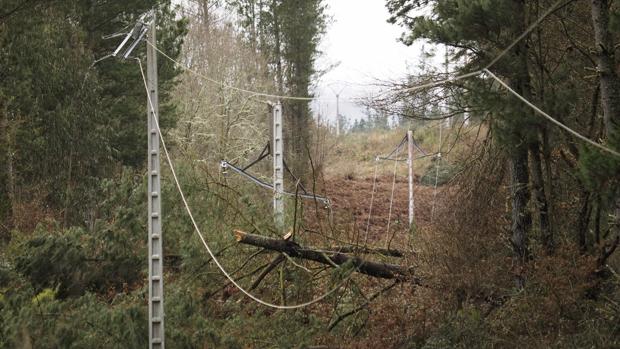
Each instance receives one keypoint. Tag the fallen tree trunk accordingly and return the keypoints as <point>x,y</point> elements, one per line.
<point>364,250</point>
<point>292,249</point>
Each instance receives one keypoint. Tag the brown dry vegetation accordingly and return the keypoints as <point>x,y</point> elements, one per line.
<point>468,296</point>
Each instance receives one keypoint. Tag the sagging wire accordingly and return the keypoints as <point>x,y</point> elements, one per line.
<point>201,236</point>
<point>225,165</point>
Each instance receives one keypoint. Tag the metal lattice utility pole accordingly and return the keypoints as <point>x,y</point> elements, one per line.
<point>337,114</point>
<point>410,166</point>
<point>278,166</point>
<point>338,109</point>
<point>156,271</point>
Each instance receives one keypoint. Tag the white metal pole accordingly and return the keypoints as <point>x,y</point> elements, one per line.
<point>410,166</point>
<point>155,248</point>
<point>278,166</point>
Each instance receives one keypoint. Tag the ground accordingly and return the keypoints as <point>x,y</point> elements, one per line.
<point>351,198</point>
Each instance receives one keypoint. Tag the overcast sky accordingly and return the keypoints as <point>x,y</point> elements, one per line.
<point>365,49</point>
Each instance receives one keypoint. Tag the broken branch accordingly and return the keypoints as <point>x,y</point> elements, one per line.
<point>376,269</point>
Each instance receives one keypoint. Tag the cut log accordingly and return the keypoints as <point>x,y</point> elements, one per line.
<point>376,269</point>
<point>364,250</point>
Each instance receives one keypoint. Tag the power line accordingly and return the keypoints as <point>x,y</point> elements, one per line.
<point>439,82</point>
<point>505,51</point>
<point>398,148</point>
<point>486,70</point>
<point>202,238</point>
<point>387,231</point>
<point>550,118</point>
<point>230,87</point>
<point>557,5</point>
<point>408,89</point>
<point>252,178</point>
<point>374,182</point>
<point>549,11</point>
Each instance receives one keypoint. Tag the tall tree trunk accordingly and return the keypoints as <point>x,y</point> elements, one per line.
<point>521,218</point>
<point>548,180</point>
<point>277,47</point>
<point>5,172</point>
<point>584,221</point>
<point>540,153</point>
<point>597,220</point>
<point>609,82</point>
<point>253,35</point>
<point>300,138</point>
<point>540,197</point>
<point>206,18</point>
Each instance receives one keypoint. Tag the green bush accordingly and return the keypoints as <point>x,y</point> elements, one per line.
<point>73,261</point>
<point>466,329</point>
<point>441,171</point>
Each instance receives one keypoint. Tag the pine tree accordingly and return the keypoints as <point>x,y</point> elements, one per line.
<point>65,123</point>
<point>480,30</point>
<point>288,33</point>
<point>609,80</point>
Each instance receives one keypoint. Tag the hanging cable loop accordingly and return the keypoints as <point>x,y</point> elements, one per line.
<point>268,186</point>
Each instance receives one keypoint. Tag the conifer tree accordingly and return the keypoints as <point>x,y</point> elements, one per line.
<point>480,30</point>
<point>288,33</point>
<point>64,122</point>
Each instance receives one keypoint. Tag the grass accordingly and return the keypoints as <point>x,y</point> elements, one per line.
<point>354,154</point>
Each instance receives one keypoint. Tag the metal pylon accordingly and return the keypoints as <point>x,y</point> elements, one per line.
<point>155,248</point>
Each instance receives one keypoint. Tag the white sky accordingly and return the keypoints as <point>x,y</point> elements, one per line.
<point>365,49</point>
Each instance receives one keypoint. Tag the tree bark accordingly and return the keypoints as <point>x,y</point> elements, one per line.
<point>521,219</point>
<point>277,47</point>
<point>519,169</point>
<point>609,83</point>
<point>375,269</point>
<point>6,197</point>
<point>541,197</point>
<point>365,250</point>
<point>584,221</point>
<point>548,180</point>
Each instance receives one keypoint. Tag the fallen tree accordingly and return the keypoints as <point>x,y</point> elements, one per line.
<point>365,250</point>
<point>292,249</point>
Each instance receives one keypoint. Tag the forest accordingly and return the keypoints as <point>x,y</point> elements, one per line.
<point>476,205</point>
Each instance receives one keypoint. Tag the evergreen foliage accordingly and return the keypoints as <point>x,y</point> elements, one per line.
<point>288,33</point>
<point>72,184</point>
<point>67,123</point>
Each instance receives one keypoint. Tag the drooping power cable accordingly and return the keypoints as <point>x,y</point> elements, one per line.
<point>387,231</point>
<point>201,236</point>
<point>252,178</point>
<point>550,118</point>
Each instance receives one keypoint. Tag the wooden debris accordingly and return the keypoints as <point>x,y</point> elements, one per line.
<point>375,269</point>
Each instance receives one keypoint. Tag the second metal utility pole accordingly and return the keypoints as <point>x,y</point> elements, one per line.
<point>337,114</point>
<point>155,248</point>
<point>278,166</point>
<point>338,109</point>
<point>410,167</point>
